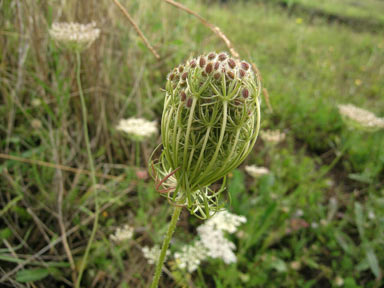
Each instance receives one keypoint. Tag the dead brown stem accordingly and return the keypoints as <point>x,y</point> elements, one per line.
<point>130,19</point>
<point>58,166</point>
<point>221,35</point>
<point>212,27</point>
<point>58,240</point>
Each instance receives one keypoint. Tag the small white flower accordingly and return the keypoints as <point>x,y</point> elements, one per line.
<point>36,102</point>
<point>74,35</point>
<point>191,256</point>
<point>299,213</point>
<point>360,118</point>
<point>272,136</point>
<point>314,225</point>
<point>36,124</point>
<point>152,254</point>
<point>339,281</point>
<point>137,128</point>
<point>122,234</point>
<point>371,215</point>
<point>255,171</point>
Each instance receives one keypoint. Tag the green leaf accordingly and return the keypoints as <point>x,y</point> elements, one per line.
<point>373,263</point>
<point>30,275</point>
<point>345,242</point>
<point>359,217</point>
<point>279,265</point>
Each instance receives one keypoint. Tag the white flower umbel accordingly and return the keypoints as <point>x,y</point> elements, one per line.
<point>255,171</point>
<point>152,254</point>
<point>212,235</point>
<point>122,234</point>
<point>217,246</point>
<point>74,36</point>
<point>190,257</point>
<point>225,221</point>
<point>137,128</point>
<point>272,136</point>
<point>360,118</point>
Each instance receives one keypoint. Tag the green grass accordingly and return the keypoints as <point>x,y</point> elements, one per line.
<point>365,10</point>
<point>308,67</point>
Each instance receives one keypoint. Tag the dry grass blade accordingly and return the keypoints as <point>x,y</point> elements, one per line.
<point>130,19</point>
<point>58,166</point>
<point>60,239</point>
<point>213,28</point>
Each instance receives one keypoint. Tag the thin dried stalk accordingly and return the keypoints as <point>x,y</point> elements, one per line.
<point>216,30</point>
<point>6,276</point>
<point>212,27</point>
<point>58,166</point>
<point>60,183</point>
<point>130,19</point>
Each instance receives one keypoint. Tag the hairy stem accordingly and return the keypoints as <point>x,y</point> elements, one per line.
<point>164,248</point>
<point>93,174</point>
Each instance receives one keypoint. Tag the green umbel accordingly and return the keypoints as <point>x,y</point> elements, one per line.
<point>210,123</point>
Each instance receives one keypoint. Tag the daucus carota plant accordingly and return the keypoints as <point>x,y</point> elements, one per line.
<point>210,122</point>
<point>76,37</point>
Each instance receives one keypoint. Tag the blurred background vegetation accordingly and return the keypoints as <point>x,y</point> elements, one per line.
<point>313,221</point>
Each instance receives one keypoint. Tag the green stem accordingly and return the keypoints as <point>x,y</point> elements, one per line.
<point>164,248</point>
<point>137,152</point>
<point>93,174</point>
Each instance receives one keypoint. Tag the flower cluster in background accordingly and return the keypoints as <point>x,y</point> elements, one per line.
<point>122,233</point>
<point>255,171</point>
<point>152,254</point>
<point>74,35</point>
<point>137,128</point>
<point>190,257</point>
<point>360,118</point>
<point>272,136</point>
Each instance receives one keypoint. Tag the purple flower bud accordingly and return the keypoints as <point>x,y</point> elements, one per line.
<point>202,62</point>
<point>217,65</point>
<point>222,56</point>
<point>217,76</point>
<point>171,76</point>
<point>183,96</point>
<point>211,56</point>
<point>189,102</point>
<point>209,68</point>
<point>193,64</point>
<point>245,66</point>
<point>184,76</point>
<point>245,93</point>
<point>231,63</point>
<point>241,73</point>
<point>231,75</point>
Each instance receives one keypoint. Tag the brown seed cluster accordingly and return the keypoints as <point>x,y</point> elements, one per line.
<point>217,67</point>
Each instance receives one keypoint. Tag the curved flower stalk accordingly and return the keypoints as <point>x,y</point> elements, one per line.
<point>210,122</point>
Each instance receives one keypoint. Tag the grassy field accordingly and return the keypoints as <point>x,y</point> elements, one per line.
<point>316,220</point>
